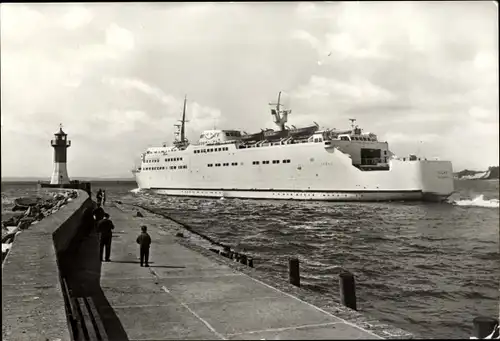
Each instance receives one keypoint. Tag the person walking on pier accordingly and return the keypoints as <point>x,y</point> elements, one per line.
<point>105,227</point>
<point>144,240</point>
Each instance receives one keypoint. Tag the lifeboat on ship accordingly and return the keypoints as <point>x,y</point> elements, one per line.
<point>271,135</point>
<point>253,137</point>
<point>304,131</point>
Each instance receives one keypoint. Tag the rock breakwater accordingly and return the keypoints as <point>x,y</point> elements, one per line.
<point>28,211</point>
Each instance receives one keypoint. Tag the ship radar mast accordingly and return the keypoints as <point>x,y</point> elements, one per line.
<point>280,116</point>
<point>355,129</point>
<point>180,140</point>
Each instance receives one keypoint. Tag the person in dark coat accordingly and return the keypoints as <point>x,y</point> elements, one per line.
<point>105,228</point>
<point>98,214</point>
<point>89,220</point>
<point>144,240</point>
<point>99,196</point>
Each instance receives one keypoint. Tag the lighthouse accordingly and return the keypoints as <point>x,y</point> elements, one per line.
<point>60,144</point>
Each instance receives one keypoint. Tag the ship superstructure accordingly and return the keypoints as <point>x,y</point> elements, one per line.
<point>306,163</point>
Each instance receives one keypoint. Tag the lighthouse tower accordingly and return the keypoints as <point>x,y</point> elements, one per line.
<point>60,144</point>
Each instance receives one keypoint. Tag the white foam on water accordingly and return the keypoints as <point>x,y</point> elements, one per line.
<point>135,190</point>
<point>478,201</point>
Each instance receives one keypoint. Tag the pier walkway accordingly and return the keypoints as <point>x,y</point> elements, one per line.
<point>184,295</point>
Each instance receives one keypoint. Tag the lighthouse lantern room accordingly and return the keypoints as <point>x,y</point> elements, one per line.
<point>60,144</point>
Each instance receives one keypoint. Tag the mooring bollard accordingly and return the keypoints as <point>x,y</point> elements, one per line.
<point>347,290</point>
<point>250,262</point>
<point>484,326</point>
<point>293,272</point>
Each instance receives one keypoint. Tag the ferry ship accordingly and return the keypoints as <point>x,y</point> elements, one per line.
<point>306,163</point>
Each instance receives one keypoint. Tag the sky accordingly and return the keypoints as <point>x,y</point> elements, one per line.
<point>421,75</point>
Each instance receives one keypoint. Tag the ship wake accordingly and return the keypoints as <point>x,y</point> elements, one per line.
<point>135,190</point>
<point>478,201</point>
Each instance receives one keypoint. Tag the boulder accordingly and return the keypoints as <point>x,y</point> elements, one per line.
<point>27,201</point>
<point>11,219</point>
<point>139,214</point>
<point>179,234</point>
<point>32,211</point>
<point>48,204</point>
<point>25,223</point>
<point>19,208</point>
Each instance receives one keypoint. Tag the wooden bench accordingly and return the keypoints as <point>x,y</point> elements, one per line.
<point>85,321</point>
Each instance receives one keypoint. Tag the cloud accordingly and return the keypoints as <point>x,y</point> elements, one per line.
<point>76,17</point>
<point>116,75</point>
<point>119,38</point>
<point>357,89</point>
<point>138,85</point>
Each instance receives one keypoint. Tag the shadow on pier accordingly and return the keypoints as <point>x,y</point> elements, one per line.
<point>90,315</point>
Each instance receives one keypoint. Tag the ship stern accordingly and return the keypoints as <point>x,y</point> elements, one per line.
<point>437,180</point>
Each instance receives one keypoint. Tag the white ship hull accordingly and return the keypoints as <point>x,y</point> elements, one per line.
<point>315,171</point>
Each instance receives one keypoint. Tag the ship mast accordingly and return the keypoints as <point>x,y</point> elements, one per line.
<point>180,140</point>
<point>183,122</point>
<point>353,120</point>
<point>278,118</point>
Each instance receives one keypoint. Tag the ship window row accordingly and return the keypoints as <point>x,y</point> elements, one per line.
<point>361,138</point>
<point>173,159</point>
<point>223,164</point>
<point>266,162</point>
<point>149,161</point>
<point>210,150</point>
<point>163,168</point>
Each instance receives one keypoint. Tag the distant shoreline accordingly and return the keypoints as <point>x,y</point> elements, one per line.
<point>28,179</point>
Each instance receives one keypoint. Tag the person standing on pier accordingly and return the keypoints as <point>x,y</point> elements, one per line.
<point>99,196</point>
<point>144,240</point>
<point>103,197</point>
<point>105,228</point>
<point>98,214</point>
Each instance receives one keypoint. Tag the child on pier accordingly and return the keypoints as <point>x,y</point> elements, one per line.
<point>144,240</point>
